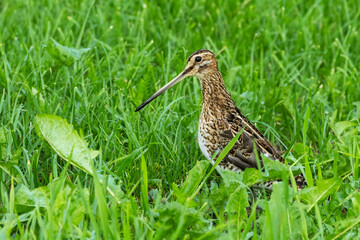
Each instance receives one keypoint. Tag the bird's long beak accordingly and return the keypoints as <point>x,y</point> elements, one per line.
<point>177,79</point>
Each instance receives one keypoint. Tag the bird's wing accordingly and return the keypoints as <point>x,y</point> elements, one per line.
<point>243,154</point>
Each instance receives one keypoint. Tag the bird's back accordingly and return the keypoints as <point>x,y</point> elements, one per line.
<point>219,125</point>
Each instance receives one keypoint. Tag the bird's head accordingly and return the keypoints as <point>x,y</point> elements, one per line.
<point>198,64</point>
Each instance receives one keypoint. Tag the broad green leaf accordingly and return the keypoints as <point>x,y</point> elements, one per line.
<point>274,165</point>
<point>300,148</point>
<point>31,198</point>
<point>64,55</point>
<point>191,183</point>
<point>65,141</point>
<point>218,196</point>
<point>251,176</point>
<point>176,221</point>
<point>71,147</point>
<point>59,198</point>
<point>319,193</point>
<point>231,177</point>
<point>340,127</point>
<point>238,201</point>
<point>275,169</point>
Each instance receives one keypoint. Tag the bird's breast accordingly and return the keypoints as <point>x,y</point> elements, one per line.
<point>208,138</point>
<point>203,143</point>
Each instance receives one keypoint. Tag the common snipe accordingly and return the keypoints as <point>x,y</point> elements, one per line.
<point>221,120</point>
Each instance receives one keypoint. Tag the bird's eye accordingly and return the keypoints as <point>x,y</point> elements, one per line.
<point>198,59</point>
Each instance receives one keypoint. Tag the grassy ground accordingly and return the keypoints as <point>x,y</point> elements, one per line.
<point>291,67</point>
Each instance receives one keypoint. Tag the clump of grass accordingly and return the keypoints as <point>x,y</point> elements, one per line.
<point>291,67</point>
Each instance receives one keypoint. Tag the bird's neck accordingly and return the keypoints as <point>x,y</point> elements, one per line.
<point>213,88</point>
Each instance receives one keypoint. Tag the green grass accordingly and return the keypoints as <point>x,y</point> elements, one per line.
<point>291,67</point>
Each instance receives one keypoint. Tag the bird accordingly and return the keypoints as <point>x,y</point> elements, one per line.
<point>221,120</point>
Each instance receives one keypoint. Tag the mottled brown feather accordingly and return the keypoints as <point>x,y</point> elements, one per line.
<point>221,120</point>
